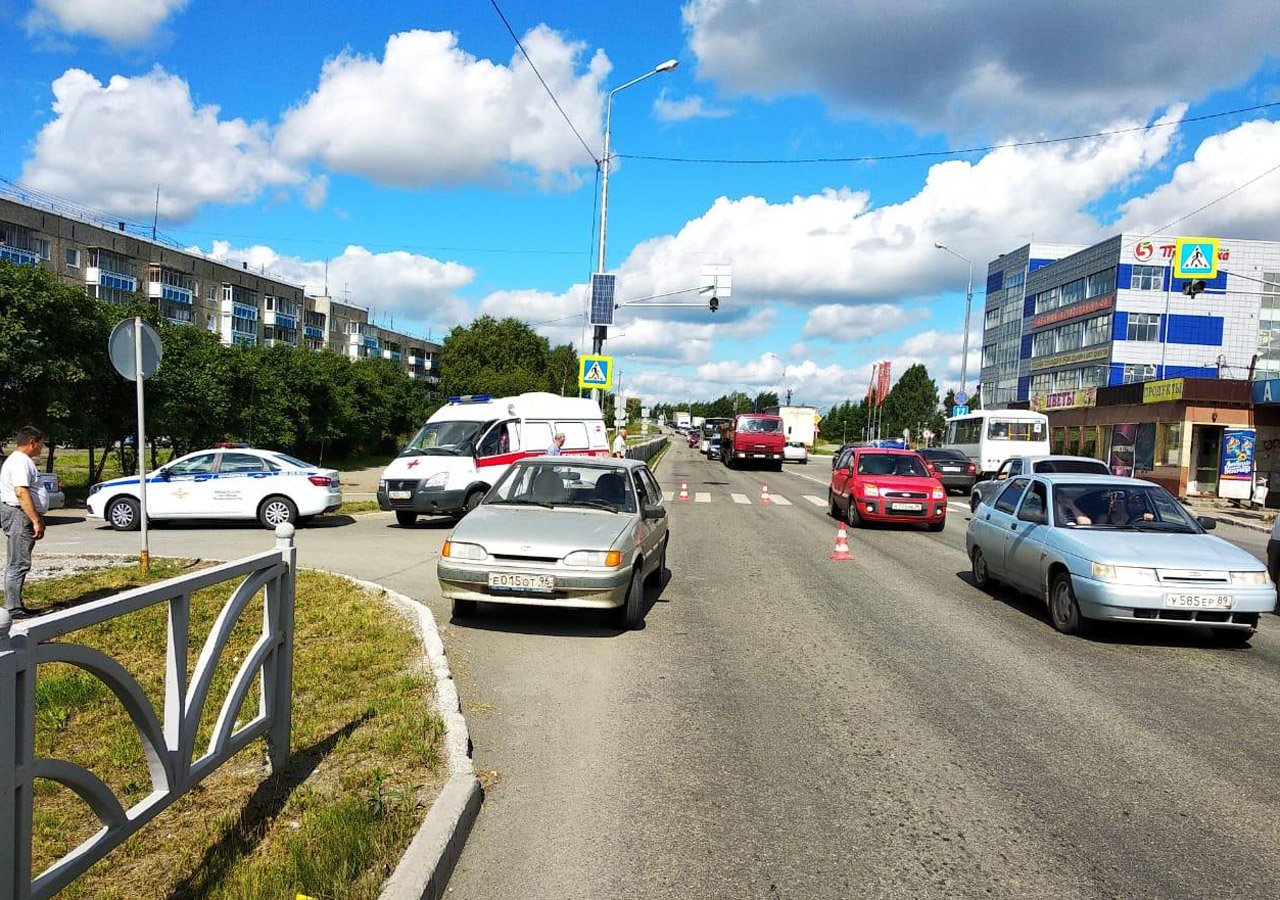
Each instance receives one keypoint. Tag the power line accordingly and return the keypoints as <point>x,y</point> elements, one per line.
<point>594,159</point>
<point>926,154</point>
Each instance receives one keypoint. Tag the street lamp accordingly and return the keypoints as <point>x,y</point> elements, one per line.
<point>597,340</point>
<point>784,374</point>
<point>968,303</point>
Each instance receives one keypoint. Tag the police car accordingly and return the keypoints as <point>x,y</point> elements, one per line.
<point>240,483</point>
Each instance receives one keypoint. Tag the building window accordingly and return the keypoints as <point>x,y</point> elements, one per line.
<point>1101,283</point>
<point>1072,292</point>
<point>1041,384</point>
<point>1069,337</point>
<point>1147,278</point>
<point>1014,280</point>
<point>1089,441</point>
<point>73,259</point>
<point>1097,330</point>
<point>1169,444</point>
<point>1143,327</point>
<point>1057,440</point>
<point>1138,372</point>
<point>1043,344</point>
<point>1047,300</point>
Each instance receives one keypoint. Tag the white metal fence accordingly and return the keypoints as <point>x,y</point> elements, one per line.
<point>168,738</point>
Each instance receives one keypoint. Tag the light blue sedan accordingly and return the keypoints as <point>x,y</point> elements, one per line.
<point>1099,547</point>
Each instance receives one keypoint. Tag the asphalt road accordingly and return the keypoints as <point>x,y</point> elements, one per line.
<point>788,726</point>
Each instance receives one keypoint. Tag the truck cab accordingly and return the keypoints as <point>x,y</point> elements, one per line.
<point>753,439</point>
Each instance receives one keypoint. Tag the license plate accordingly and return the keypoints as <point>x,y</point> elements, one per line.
<point>399,495</point>
<point>952,469</point>
<point>1198,601</point>
<point>907,507</point>
<point>760,455</point>
<point>504,581</point>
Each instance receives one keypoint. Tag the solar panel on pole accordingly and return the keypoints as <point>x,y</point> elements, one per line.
<point>602,298</point>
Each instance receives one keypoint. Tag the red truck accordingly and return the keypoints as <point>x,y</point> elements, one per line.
<point>753,438</point>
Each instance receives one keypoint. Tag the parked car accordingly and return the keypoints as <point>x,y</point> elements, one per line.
<point>955,470</point>
<point>561,532</point>
<point>1100,547</point>
<point>886,485</point>
<point>241,483</point>
<point>1037,465</point>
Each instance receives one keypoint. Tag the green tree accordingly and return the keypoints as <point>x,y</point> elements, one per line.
<point>764,400</point>
<point>191,395</point>
<point>911,404</point>
<point>493,357</point>
<point>562,370</point>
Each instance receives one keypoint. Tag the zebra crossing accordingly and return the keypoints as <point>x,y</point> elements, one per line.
<point>743,499</point>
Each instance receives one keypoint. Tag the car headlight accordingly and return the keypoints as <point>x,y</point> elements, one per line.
<point>1124,574</point>
<point>437,481</point>
<point>93,490</point>
<point>456,550</point>
<point>871,490</point>
<point>382,484</point>
<point>1250,578</point>
<point>609,559</point>
<point>939,494</point>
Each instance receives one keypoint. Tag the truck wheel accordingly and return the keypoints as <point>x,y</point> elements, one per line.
<point>405,518</point>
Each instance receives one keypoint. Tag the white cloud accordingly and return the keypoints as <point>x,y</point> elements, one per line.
<point>968,64</point>
<point>117,21</point>
<point>400,288</point>
<point>1222,163</point>
<point>110,145</point>
<point>666,109</point>
<point>430,113</point>
<point>841,323</point>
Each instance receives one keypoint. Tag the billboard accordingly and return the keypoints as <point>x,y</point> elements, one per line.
<point>1124,438</point>
<point>1237,454</point>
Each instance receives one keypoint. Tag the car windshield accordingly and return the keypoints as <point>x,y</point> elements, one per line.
<point>760,426</point>
<point>539,483</point>
<point>447,438</point>
<point>1127,507</point>
<point>1073,466</point>
<point>904,464</point>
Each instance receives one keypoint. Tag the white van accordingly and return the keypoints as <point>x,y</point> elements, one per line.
<point>470,441</point>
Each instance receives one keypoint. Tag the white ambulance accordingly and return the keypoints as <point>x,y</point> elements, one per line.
<point>470,441</point>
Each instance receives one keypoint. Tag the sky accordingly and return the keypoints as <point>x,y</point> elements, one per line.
<point>411,154</point>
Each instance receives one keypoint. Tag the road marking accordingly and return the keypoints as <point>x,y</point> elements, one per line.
<point>779,501</point>
<point>702,497</point>
<point>668,496</point>
<point>958,507</point>
<point>739,498</point>
<point>816,501</point>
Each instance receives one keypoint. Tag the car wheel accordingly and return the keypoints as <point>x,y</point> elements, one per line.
<point>851,514</point>
<point>124,514</point>
<point>978,566</point>
<point>464,609</point>
<point>938,526</point>
<point>832,510</point>
<point>472,501</point>
<point>1234,637</point>
<point>276,511</point>
<point>406,519</point>
<point>630,613</point>
<point>974,502</point>
<point>1064,610</point>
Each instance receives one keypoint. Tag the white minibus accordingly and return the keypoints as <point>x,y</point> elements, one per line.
<point>990,436</point>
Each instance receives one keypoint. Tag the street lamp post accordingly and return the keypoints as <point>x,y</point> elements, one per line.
<point>968,304</point>
<point>601,331</point>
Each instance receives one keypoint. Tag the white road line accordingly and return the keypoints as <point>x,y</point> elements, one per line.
<point>779,501</point>
<point>702,497</point>
<point>955,506</point>
<point>668,496</point>
<point>816,501</point>
<point>739,498</point>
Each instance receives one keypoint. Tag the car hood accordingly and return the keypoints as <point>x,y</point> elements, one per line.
<point>537,531</point>
<point>1149,549</point>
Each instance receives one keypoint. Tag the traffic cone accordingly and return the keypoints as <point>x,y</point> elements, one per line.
<point>764,493</point>
<point>684,491</point>
<point>842,553</point>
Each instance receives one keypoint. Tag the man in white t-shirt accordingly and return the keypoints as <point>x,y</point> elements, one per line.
<point>620,443</point>
<point>23,502</point>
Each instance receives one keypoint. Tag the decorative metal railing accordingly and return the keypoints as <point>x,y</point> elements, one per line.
<point>168,738</point>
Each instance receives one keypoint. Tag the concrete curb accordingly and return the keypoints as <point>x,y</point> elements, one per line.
<point>424,870</point>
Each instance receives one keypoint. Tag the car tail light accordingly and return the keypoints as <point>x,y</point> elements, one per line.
<point>971,469</point>
<point>320,480</point>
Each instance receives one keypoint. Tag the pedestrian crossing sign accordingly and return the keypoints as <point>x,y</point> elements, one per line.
<point>1196,258</point>
<point>595,372</point>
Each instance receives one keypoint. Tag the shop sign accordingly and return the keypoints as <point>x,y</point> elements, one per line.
<point>1266,391</point>
<point>1070,359</point>
<point>1163,391</point>
<point>1237,454</point>
<point>1165,251</point>
<point>1124,438</point>
<point>1083,308</point>
<point>1065,399</point>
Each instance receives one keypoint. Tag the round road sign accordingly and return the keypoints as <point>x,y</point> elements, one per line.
<point>121,347</point>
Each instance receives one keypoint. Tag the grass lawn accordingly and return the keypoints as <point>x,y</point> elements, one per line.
<point>357,506</point>
<point>366,751</point>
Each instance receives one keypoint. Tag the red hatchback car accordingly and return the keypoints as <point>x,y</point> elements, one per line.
<point>882,485</point>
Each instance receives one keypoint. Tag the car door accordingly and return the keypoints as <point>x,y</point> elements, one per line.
<point>185,489</point>
<point>1028,532</point>
<point>842,477</point>
<point>994,523</point>
<point>243,481</point>
<point>660,527</point>
<point>647,536</point>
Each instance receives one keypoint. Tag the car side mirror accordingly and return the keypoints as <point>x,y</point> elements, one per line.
<point>1002,476</point>
<point>1208,523</point>
<point>162,474</point>
<point>654,512</point>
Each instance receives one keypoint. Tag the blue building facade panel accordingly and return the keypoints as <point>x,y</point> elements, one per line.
<point>1024,388</point>
<point>1039,264</point>
<point>995,281</point>
<point>1203,331</point>
<point>1119,325</point>
<point>1026,347</point>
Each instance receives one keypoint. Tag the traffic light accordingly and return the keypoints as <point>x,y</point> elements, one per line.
<point>715,302</point>
<point>1193,287</point>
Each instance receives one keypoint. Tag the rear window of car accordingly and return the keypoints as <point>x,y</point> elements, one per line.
<point>1073,466</point>
<point>942,454</point>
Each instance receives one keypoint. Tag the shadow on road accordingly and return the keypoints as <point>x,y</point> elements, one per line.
<point>324,521</point>
<point>434,524</point>
<point>53,519</point>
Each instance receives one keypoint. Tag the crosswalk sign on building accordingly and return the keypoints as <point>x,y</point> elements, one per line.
<point>1196,257</point>
<point>595,372</point>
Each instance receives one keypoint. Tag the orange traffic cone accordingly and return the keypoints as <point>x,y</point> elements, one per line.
<point>684,491</point>
<point>842,553</point>
<point>764,493</point>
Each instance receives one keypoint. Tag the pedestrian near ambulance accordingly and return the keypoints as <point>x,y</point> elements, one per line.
<point>557,445</point>
<point>620,443</point>
<point>23,502</point>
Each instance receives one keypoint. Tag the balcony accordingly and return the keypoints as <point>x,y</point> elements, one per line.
<point>18,256</point>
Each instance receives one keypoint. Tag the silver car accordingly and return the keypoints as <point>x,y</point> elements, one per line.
<point>1038,465</point>
<point>560,531</point>
<point>1097,547</point>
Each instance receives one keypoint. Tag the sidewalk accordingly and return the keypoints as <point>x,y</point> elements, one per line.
<point>1254,519</point>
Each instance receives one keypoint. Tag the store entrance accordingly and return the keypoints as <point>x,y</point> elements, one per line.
<point>1206,452</point>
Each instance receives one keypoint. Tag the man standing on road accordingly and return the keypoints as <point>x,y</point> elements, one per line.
<point>557,443</point>
<point>23,502</point>
<point>620,443</point>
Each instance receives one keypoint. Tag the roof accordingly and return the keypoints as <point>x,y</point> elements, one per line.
<point>599,462</point>
<point>1056,478</point>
